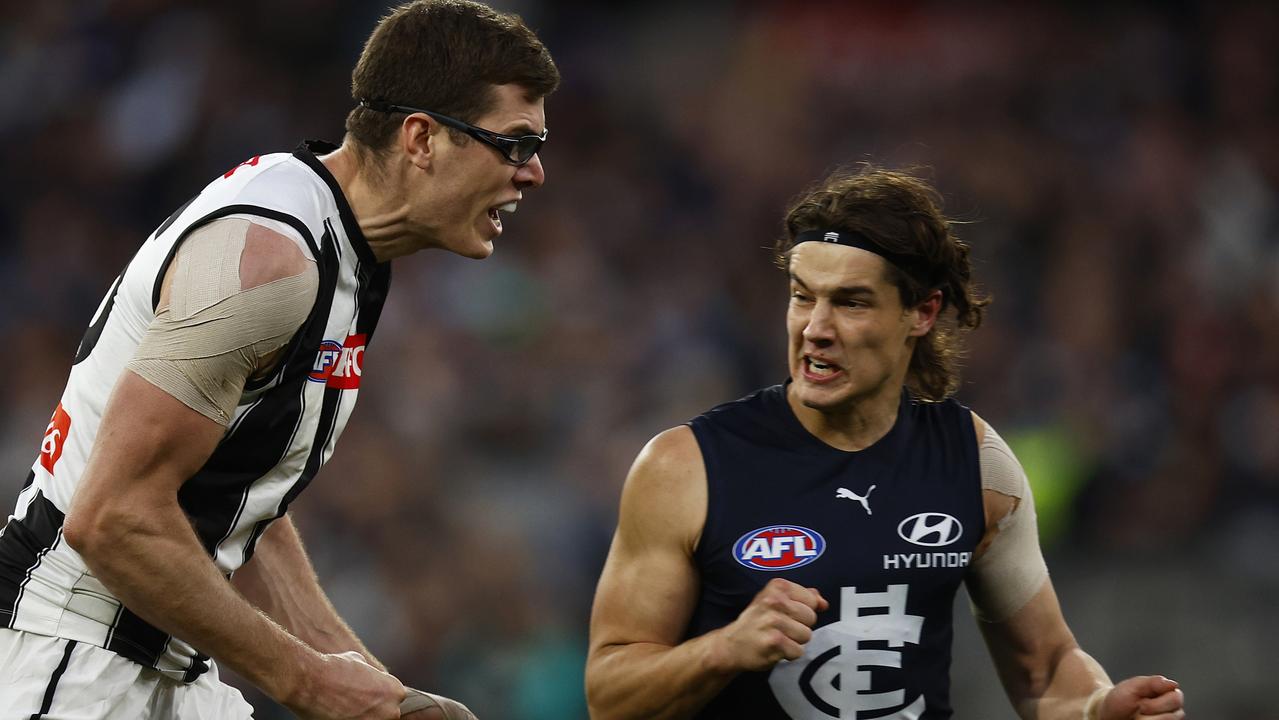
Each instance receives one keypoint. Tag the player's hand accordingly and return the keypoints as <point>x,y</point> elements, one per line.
<point>343,686</point>
<point>774,627</point>
<point>1145,697</point>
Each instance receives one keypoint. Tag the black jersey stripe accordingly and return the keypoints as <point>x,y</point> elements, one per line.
<point>23,545</point>
<point>306,153</point>
<point>213,495</point>
<point>136,639</point>
<point>373,299</point>
<point>46,703</point>
<point>374,285</point>
<point>328,227</point>
<point>199,666</point>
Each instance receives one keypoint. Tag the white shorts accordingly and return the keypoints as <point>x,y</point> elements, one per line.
<point>56,679</point>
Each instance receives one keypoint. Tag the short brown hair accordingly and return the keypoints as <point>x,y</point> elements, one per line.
<point>444,56</point>
<point>901,213</point>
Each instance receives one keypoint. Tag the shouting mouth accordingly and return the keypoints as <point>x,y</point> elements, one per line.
<point>819,369</point>
<point>496,218</point>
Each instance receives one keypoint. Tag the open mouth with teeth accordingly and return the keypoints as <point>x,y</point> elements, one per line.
<point>819,370</point>
<point>496,218</point>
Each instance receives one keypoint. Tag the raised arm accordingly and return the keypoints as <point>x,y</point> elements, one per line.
<point>1045,673</point>
<point>165,417</point>
<point>637,667</point>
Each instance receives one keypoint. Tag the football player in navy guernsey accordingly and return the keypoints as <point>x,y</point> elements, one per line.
<point>796,553</point>
<point>151,542</point>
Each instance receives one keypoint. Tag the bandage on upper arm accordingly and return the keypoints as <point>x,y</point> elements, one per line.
<point>209,334</point>
<point>1012,570</point>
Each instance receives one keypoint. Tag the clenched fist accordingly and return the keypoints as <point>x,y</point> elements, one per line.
<point>1145,697</point>
<point>345,687</point>
<point>774,627</point>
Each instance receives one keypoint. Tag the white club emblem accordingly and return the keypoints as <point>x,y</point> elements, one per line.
<point>829,681</point>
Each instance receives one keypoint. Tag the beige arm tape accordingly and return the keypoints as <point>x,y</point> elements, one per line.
<point>204,345</point>
<point>1012,569</point>
<point>418,700</point>
<point>1092,708</point>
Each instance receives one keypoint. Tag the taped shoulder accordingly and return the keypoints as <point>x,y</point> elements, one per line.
<point>1011,569</point>
<point>270,255</point>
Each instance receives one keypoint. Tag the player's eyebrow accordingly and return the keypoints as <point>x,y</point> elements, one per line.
<point>852,290</point>
<point>521,128</point>
<point>840,291</point>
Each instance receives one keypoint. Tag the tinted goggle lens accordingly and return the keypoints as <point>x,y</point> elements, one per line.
<point>522,149</point>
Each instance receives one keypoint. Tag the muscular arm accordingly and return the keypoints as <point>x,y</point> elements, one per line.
<point>125,519</point>
<point>1042,668</point>
<point>637,667</point>
<point>281,582</point>
<point>126,523</point>
<point>1045,673</point>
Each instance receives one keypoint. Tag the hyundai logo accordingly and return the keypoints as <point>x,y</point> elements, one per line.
<point>930,529</point>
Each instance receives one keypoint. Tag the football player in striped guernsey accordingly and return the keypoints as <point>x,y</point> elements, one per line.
<point>796,553</point>
<point>151,541</point>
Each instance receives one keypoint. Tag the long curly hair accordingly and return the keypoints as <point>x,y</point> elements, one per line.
<point>903,214</point>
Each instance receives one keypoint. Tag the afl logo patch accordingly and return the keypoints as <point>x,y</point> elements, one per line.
<point>325,359</point>
<point>779,547</point>
<point>930,529</point>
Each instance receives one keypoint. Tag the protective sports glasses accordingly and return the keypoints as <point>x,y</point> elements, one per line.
<point>515,149</point>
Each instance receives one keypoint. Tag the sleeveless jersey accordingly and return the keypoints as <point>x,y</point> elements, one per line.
<point>282,431</point>
<point>886,534</point>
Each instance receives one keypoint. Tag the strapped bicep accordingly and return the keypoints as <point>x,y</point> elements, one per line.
<point>1011,570</point>
<point>213,329</point>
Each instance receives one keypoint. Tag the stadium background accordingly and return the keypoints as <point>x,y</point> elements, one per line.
<point>1119,164</point>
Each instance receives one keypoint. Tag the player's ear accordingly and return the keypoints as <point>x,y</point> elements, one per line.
<point>418,134</point>
<point>924,315</point>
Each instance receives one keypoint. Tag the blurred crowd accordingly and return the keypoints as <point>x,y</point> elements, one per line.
<point>1115,168</point>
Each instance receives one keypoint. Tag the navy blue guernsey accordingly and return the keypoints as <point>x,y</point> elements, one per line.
<point>886,534</point>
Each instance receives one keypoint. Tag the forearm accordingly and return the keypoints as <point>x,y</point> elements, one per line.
<point>1065,693</point>
<point>648,680</point>
<point>280,580</point>
<point>151,560</point>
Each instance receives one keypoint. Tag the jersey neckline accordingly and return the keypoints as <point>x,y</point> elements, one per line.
<point>307,151</point>
<point>808,440</point>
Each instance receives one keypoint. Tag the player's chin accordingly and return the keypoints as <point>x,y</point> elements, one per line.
<point>475,247</point>
<point>819,397</point>
<point>483,249</point>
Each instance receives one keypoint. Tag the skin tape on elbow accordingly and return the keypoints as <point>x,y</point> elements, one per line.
<point>211,337</point>
<point>1012,569</point>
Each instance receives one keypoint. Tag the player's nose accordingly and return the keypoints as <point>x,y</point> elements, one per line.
<point>531,174</point>
<point>819,329</point>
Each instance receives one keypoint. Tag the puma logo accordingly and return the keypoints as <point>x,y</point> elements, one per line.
<point>847,494</point>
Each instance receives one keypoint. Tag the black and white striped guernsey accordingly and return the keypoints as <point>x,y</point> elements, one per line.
<point>282,432</point>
